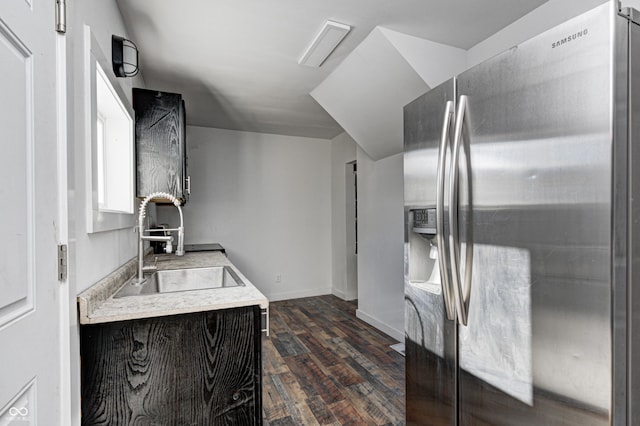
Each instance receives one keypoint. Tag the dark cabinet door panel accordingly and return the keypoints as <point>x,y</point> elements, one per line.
<point>160,143</point>
<point>201,368</point>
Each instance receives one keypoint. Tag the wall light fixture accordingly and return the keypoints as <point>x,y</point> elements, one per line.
<point>124,57</point>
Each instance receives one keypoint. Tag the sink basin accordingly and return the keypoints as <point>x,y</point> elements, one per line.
<point>173,280</point>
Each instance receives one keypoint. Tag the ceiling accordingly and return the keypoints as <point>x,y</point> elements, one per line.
<point>236,61</point>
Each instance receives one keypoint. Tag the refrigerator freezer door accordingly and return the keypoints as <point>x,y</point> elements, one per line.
<point>430,337</point>
<point>537,136</point>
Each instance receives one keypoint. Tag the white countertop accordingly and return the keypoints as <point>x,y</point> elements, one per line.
<point>97,305</point>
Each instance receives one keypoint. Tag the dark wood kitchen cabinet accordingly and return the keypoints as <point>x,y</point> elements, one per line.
<point>161,157</point>
<point>191,369</point>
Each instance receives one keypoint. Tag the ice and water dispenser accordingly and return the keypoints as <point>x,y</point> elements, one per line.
<point>424,270</point>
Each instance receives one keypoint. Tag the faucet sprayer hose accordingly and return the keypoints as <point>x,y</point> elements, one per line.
<point>141,215</point>
<point>143,206</point>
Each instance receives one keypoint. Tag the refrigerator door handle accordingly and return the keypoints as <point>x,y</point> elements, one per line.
<point>461,292</point>
<point>442,252</point>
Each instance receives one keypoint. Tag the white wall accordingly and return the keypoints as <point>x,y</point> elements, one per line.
<point>380,246</point>
<point>95,255</point>
<point>91,257</point>
<point>343,151</point>
<point>267,200</point>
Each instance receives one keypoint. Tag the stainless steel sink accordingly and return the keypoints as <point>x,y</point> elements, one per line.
<point>173,280</point>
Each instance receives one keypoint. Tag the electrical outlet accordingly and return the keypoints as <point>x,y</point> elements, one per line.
<point>278,278</point>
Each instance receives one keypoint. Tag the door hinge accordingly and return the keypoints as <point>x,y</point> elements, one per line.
<point>62,262</point>
<point>61,16</point>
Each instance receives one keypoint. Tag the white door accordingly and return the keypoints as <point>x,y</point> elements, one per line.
<point>29,290</point>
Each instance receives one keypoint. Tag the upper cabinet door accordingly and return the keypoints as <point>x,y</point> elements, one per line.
<point>160,143</point>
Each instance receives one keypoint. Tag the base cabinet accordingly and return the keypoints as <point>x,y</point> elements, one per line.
<point>193,369</point>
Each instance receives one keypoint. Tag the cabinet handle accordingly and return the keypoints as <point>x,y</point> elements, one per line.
<point>188,182</point>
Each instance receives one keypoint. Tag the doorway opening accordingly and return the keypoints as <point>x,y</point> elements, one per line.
<point>351,222</point>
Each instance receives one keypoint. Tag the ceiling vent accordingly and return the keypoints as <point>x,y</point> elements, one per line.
<point>324,43</point>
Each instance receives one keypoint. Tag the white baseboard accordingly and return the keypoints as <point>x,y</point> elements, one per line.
<point>351,295</point>
<point>343,295</point>
<point>286,295</point>
<point>396,334</point>
<point>338,293</point>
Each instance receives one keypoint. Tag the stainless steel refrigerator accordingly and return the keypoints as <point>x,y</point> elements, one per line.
<point>522,185</point>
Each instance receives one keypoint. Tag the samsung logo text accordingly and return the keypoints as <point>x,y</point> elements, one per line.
<point>570,38</point>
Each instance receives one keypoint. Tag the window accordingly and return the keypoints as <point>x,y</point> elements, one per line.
<point>110,134</point>
<point>114,149</point>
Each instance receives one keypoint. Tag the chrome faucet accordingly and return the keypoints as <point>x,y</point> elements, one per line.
<point>167,238</point>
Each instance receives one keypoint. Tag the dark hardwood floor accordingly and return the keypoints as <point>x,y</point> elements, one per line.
<point>322,365</point>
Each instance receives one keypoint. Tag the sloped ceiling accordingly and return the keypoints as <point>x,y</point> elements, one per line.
<point>235,62</point>
<point>366,93</point>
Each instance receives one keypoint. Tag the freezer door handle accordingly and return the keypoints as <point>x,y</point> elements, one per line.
<point>442,251</point>
<point>461,292</point>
